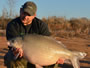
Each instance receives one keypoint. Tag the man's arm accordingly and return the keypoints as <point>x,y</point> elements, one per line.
<point>44,30</point>
<point>11,31</point>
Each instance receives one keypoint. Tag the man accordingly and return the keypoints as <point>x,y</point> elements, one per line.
<point>27,23</point>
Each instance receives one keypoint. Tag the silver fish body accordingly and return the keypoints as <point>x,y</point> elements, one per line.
<point>43,50</point>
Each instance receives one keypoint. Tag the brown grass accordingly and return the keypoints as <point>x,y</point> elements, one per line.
<point>62,27</point>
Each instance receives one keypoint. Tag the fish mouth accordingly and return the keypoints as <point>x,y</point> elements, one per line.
<point>8,43</point>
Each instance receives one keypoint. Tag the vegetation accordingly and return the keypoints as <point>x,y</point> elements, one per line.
<point>61,27</point>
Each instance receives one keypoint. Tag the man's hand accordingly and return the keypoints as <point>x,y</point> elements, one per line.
<point>18,50</point>
<point>60,61</point>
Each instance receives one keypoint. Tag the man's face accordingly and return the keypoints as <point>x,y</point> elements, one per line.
<point>26,18</point>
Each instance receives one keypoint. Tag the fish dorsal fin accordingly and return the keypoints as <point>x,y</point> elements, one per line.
<point>61,43</point>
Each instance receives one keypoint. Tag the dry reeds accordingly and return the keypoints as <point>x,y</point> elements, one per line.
<point>61,27</point>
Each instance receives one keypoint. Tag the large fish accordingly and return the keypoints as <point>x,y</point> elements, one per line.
<point>43,50</point>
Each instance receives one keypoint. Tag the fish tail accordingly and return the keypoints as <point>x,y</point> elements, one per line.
<point>76,57</point>
<point>75,62</point>
<point>80,55</point>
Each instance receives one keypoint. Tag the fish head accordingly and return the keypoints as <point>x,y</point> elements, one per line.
<point>15,42</point>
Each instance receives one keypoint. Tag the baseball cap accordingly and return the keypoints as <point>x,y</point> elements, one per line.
<point>30,8</point>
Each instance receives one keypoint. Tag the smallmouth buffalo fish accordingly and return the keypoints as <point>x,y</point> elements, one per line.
<point>44,50</point>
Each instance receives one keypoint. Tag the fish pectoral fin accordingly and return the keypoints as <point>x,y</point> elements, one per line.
<point>75,62</point>
<point>38,66</point>
<point>67,62</point>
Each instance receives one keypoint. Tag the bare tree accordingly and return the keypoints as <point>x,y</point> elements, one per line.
<point>11,4</point>
<point>4,13</point>
<point>3,18</point>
